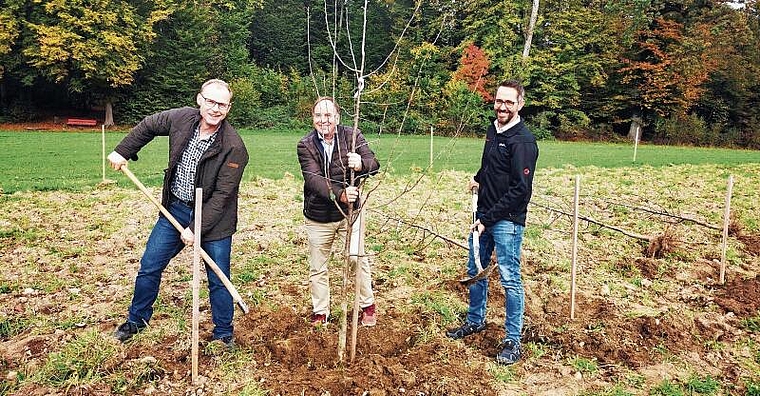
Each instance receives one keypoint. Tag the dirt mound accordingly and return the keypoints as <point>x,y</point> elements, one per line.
<point>302,359</point>
<point>740,296</point>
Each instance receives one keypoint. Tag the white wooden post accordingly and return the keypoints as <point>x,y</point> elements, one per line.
<point>636,142</point>
<point>196,281</point>
<point>103,149</point>
<point>431,147</point>
<point>726,221</point>
<point>575,245</point>
<point>360,255</point>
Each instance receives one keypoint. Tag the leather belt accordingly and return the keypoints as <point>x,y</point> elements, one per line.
<point>189,204</point>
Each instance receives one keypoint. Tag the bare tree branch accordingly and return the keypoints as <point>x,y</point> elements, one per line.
<point>419,227</point>
<point>599,223</point>
<point>665,214</point>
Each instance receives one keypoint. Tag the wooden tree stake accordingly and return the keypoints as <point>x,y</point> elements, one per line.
<point>636,142</point>
<point>104,181</point>
<point>574,259</point>
<point>357,279</point>
<point>103,151</point>
<point>726,221</point>
<point>196,280</point>
<point>431,147</point>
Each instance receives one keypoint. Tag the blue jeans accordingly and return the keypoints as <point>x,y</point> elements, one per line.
<point>163,244</point>
<point>506,237</point>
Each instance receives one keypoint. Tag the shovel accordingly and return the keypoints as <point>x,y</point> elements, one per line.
<point>211,263</point>
<point>482,273</point>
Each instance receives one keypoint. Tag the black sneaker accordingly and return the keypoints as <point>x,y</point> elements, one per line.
<point>227,341</point>
<point>127,330</point>
<point>510,353</point>
<point>465,330</point>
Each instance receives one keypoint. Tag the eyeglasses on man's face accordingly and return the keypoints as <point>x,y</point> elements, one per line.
<point>507,102</point>
<point>320,116</point>
<point>211,103</point>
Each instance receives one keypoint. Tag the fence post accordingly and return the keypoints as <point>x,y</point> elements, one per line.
<point>431,147</point>
<point>726,221</point>
<point>636,142</point>
<point>574,259</point>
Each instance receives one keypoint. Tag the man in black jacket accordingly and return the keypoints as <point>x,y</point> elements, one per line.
<point>205,151</point>
<point>505,185</point>
<point>326,161</point>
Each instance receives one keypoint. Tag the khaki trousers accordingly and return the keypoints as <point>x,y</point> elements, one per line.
<point>321,240</point>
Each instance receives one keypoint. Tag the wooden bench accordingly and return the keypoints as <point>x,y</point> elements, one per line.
<point>81,122</point>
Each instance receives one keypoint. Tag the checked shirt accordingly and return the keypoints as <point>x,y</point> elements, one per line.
<point>184,181</point>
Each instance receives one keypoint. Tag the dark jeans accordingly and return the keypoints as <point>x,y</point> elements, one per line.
<point>165,243</point>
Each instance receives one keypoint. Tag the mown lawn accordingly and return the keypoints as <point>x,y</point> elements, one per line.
<point>43,161</point>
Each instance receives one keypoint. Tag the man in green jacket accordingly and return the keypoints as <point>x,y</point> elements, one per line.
<point>204,152</point>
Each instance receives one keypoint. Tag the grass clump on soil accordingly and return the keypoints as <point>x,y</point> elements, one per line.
<point>12,326</point>
<point>505,374</point>
<point>753,387</point>
<point>693,385</point>
<point>434,305</point>
<point>584,366</point>
<point>667,388</point>
<point>752,324</point>
<point>617,390</point>
<point>703,385</point>
<point>85,360</point>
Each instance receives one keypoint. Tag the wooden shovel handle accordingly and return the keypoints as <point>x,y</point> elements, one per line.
<point>211,263</point>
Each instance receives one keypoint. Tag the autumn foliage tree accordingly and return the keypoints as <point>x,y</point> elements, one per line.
<point>671,67</point>
<point>473,70</point>
<point>91,50</point>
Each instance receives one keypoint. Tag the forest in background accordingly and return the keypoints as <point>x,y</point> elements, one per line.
<point>687,71</point>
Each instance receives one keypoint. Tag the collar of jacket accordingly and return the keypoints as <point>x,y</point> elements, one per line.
<point>339,133</point>
<point>513,130</point>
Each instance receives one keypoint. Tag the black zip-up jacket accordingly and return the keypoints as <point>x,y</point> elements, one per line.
<point>219,170</point>
<point>323,185</point>
<point>506,175</point>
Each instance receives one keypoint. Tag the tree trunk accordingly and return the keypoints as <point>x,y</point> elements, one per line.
<point>2,93</point>
<point>108,122</point>
<point>635,128</point>
<point>531,27</point>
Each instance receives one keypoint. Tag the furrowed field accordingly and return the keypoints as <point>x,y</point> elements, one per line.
<point>651,314</point>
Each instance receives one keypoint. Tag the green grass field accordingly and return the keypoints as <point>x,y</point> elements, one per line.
<point>38,160</point>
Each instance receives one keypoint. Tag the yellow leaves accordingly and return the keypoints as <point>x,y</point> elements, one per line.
<point>9,31</point>
<point>96,41</point>
<point>425,51</point>
<point>52,51</point>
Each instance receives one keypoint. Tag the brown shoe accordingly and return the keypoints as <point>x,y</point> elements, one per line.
<point>318,320</point>
<point>369,317</point>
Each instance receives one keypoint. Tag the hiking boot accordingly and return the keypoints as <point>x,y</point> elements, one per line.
<point>369,318</point>
<point>510,353</point>
<point>127,330</point>
<point>465,330</point>
<point>318,320</point>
